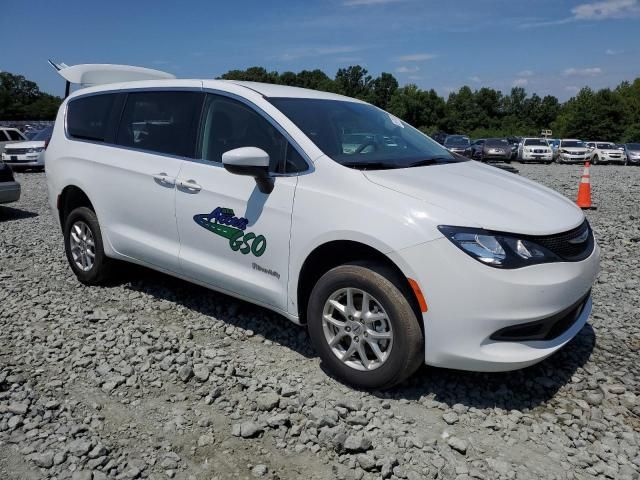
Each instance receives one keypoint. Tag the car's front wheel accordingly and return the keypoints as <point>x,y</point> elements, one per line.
<point>363,326</point>
<point>84,247</point>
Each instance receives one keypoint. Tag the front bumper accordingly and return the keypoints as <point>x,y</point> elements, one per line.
<point>23,160</point>
<point>537,157</point>
<point>608,159</point>
<point>9,192</point>
<point>569,158</point>
<point>468,302</point>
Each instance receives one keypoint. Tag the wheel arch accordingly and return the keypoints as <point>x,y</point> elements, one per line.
<point>71,198</point>
<point>338,252</point>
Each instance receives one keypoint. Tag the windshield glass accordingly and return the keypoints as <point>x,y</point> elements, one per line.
<point>537,142</point>
<point>572,143</point>
<point>43,135</point>
<point>605,145</point>
<point>496,142</point>
<point>457,141</point>
<point>633,146</point>
<point>362,136</point>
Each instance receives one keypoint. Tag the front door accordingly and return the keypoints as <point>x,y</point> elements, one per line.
<point>234,237</point>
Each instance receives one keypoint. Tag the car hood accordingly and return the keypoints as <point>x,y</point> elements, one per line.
<point>30,144</point>
<point>487,196</point>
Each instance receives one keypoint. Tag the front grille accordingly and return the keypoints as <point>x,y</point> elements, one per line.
<point>567,245</point>
<point>545,329</point>
<point>16,151</point>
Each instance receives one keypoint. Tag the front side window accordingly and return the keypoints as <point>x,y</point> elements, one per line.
<point>15,135</point>
<point>162,122</point>
<point>88,117</point>
<point>359,135</point>
<point>228,124</point>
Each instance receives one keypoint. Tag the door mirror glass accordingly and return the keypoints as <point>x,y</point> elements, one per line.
<point>250,161</point>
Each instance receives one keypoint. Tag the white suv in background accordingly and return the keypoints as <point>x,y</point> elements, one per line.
<point>392,252</point>
<point>535,150</point>
<point>606,152</point>
<point>9,136</point>
<point>571,151</point>
<point>28,154</point>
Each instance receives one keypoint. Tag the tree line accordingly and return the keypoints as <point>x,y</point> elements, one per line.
<point>607,114</point>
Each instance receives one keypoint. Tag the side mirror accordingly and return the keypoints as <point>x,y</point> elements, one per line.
<point>252,162</point>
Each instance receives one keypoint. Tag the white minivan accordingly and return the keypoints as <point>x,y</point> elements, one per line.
<point>391,250</point>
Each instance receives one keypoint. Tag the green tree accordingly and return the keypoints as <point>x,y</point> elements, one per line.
<point>21,99</point>
<point>353,81</point>
<point>382,89</point>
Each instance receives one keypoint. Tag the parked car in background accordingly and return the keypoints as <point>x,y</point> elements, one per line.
<point>571,150</point>
<point>605,152</point>
<point>553,144</point>
<point>486,149</point>
<point>535,150</point>
<point>459,144</point>
<point>515,142</point>
<point>440,137</point>
<point>28,154</point>
<point>9,188</point>
<point>632,152</point>
<point>10,135</point>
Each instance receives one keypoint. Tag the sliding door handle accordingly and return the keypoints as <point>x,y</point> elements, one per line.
<point>164,179</point>
<point>189,185</point>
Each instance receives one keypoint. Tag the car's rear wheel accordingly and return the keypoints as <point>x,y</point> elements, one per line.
<point>595,160</point>
<point>84,247</point>
<point>363,326</point>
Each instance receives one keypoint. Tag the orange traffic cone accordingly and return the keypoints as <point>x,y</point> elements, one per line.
<point>584,190</point>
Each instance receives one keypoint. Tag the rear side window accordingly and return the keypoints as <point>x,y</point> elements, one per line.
<point>162,122</point>
<point>3,136</point>
<point>88,117</point>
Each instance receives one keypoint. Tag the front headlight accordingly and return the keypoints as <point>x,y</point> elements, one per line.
<point>36,150</point>
<point>497,250</point>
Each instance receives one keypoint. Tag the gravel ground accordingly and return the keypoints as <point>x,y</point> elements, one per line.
<point>152,377</point>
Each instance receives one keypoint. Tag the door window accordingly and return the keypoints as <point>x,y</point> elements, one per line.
<point>162,122</point>
<point>228,124</point>
<point>3,136</point>
<point>14,135</point>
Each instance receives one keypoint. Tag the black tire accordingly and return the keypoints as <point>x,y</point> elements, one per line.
<point>406,353</point>
<point>102,268</point>
<point>594,160</point>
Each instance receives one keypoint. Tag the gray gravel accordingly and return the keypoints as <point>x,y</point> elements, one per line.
<point>154,378</point>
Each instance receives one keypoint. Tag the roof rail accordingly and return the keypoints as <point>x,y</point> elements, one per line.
<point>89,74</point>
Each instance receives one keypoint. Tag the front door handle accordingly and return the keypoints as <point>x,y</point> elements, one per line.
<point>189,185</point>
<point>164,179</point>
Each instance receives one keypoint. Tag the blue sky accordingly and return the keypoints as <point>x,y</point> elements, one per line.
<point>547,46</point>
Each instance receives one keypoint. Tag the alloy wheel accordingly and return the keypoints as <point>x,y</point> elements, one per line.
<point>83,248</point>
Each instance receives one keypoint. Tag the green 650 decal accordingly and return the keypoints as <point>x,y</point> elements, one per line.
<point>223,222</point>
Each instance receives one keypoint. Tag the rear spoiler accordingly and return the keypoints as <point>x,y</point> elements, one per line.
<point>88,74</point>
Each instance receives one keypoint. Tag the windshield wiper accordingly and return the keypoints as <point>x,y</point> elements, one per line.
<point>432,161</point>
<point>369,165</point>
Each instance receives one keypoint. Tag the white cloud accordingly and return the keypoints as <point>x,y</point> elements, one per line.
<point>416,57</point>
<point>525,73</point>
<point>415,77</point>
<point>606,9</point>
<point>353,3</point>
<point>571,88</point>
<point>520,82</point>
<point>610,51</point>
<point>475,79</point>
<point>582,72</point>
<point>599,10</point>
<point>405,69</point>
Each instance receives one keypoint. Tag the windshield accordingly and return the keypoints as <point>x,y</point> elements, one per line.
<point>572,143</point>
<point>359,135</point>
<point>496,142</point>
<point>605,145</point>
<point>633,146</point>
<point>537,142</point>
<point>43,135</point>
<point>457,141</point>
